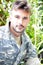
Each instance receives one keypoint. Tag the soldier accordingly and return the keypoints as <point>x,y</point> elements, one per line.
<point>15,45</point>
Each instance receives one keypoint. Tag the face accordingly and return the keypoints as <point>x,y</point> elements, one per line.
<point>19,20</point>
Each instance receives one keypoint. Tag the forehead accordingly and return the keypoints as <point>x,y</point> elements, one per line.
<point>19,12</point>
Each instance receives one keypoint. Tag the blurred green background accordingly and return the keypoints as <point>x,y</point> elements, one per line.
<point>34,28</point>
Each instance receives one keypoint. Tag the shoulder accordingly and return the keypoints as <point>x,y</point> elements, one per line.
<point>26,36</point>
<point>2,30</point>
<point>28,40</point>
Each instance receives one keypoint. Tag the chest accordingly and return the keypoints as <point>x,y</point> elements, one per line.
<point>8,51</point>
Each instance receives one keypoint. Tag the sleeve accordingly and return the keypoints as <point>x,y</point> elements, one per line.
<point>33,61</point>
<point>31,50</point>
<point>32,57</point>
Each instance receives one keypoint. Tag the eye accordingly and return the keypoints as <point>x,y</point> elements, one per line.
<point>17,17</point>
<point>25,18</point>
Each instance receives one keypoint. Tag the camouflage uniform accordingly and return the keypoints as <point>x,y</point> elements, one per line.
<point>10,53</point>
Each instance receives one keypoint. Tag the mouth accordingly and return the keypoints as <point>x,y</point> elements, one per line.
<point>20,26</point>
<point>19,31</point>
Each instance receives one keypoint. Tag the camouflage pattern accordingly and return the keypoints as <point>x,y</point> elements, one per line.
<point>10,53</point>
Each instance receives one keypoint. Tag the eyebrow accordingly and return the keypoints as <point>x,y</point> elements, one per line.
<point>25,17</point>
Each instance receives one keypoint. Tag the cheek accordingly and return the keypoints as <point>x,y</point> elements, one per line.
<point>13,21</point>
<point>26,23</point>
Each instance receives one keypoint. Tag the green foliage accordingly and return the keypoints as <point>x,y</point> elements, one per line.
<point>35,27</point>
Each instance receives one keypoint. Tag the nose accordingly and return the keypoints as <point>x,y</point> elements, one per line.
<point>21,21</point>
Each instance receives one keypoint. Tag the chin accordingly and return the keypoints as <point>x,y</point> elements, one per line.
<point>17,31</point>
<point>17,35</point>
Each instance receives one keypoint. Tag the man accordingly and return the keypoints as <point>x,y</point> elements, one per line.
<point>15,45</point>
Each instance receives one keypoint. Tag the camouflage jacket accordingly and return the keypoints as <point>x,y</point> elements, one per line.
<point>10,53</point>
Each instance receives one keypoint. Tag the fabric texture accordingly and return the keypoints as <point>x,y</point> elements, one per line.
<point>10,53</point>
<point>33,61</point>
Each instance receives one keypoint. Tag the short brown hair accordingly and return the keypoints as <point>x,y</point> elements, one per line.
<point>21,5</point>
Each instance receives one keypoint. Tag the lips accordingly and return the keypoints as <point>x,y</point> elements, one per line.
<point>20,26</point>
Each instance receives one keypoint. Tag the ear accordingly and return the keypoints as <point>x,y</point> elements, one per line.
<point>9,23</point>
